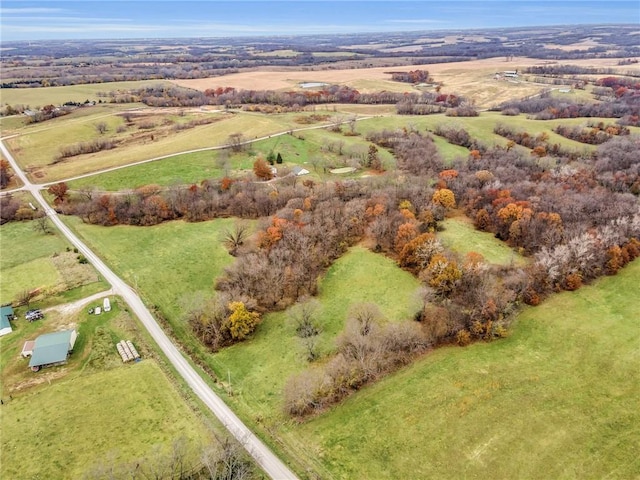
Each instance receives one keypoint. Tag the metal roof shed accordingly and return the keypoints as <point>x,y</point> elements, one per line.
<point>52,348</point>
<point>6,314</point>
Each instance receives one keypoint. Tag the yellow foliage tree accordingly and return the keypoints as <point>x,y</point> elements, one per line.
<point>444,197</point>
<point>242,322</point>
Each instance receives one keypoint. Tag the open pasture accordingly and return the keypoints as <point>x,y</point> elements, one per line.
<point>550,401</point>
<point>31,260</point>
<point>460,236</point>
<point>166,263</point>
<point>35,152</point>
<point>125,414</point>
<point>313,150</point>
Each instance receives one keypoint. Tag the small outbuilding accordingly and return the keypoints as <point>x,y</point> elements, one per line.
<point>106,305</point>
<point>27,348</point>
<point>297,170</point>
<point>6,315</point>
<point>52,349</point>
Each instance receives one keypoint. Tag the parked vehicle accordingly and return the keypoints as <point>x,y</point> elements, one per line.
<point>32,315</point>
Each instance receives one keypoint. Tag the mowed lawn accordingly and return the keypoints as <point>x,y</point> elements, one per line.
<point>460,236</point>
<point>64,429</point>
<point>557,399</point>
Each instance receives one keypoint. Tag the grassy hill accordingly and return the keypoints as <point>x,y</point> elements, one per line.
<point>550,401</point>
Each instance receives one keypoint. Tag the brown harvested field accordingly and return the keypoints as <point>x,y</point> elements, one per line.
<point>473,79</point>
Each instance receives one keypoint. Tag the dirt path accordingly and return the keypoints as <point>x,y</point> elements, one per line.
<point>69,308</point>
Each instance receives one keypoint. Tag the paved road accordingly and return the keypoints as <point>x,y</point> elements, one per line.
<point>256,448</point>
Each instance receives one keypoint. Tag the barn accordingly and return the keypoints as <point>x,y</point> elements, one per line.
<point>52,349</point>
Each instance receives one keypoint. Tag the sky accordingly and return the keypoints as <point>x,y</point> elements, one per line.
<point>95,19</point>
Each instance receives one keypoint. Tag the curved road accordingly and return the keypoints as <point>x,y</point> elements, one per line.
<point>162,157</point>
<point>256,448</point>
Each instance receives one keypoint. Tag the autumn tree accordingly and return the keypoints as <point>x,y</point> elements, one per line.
<point>262,169</point>
<point>444,197</point>
<point>59,192</point>
<point>208,318</point>
<point>406,232</point>
<point>242,322</point>
<point>443,274</point>
<point>5,173</point>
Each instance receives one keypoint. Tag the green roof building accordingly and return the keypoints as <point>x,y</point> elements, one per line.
<point>6,314</point>
<point>52,348</point>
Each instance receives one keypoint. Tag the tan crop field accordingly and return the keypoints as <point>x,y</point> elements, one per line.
<point>473,79</point>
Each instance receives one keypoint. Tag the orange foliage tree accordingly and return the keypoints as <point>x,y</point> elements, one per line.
<point>444,197</point>
<point>262,169</point>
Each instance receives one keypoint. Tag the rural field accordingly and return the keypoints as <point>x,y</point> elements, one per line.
<point>148,410</point>
<point>550,401</point>
<point>460,408</point>
<point>531,392</point>
<point>43,263</point>
<point>474,78</point>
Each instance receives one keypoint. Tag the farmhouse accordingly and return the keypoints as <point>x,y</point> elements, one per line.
<point>6,315</point>
<point>52,349</point>
<point>510,73</point>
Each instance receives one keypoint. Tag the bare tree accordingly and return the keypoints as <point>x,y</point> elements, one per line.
<point>226,461</point>
<point>235,237</point>
<point>303,317</point>
<point>24,297</point>
<point>101,127</point>
<point>41,224</point>
<point>236,142</point>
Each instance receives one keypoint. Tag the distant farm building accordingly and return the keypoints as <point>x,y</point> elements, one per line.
<point>52,349</point>
<point>510,74</point>
<point>298,170</point>
<point>6,315</point>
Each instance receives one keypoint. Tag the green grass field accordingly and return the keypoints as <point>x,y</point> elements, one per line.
<point>34,151</point>
<point>551,388</point>
<point>259,368</point>
<point>299,149</point>
<point>32,260</point>
<point>165,262</point>
<point>550,401</point>
<point>117,415</point>
<point>460,236</point>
